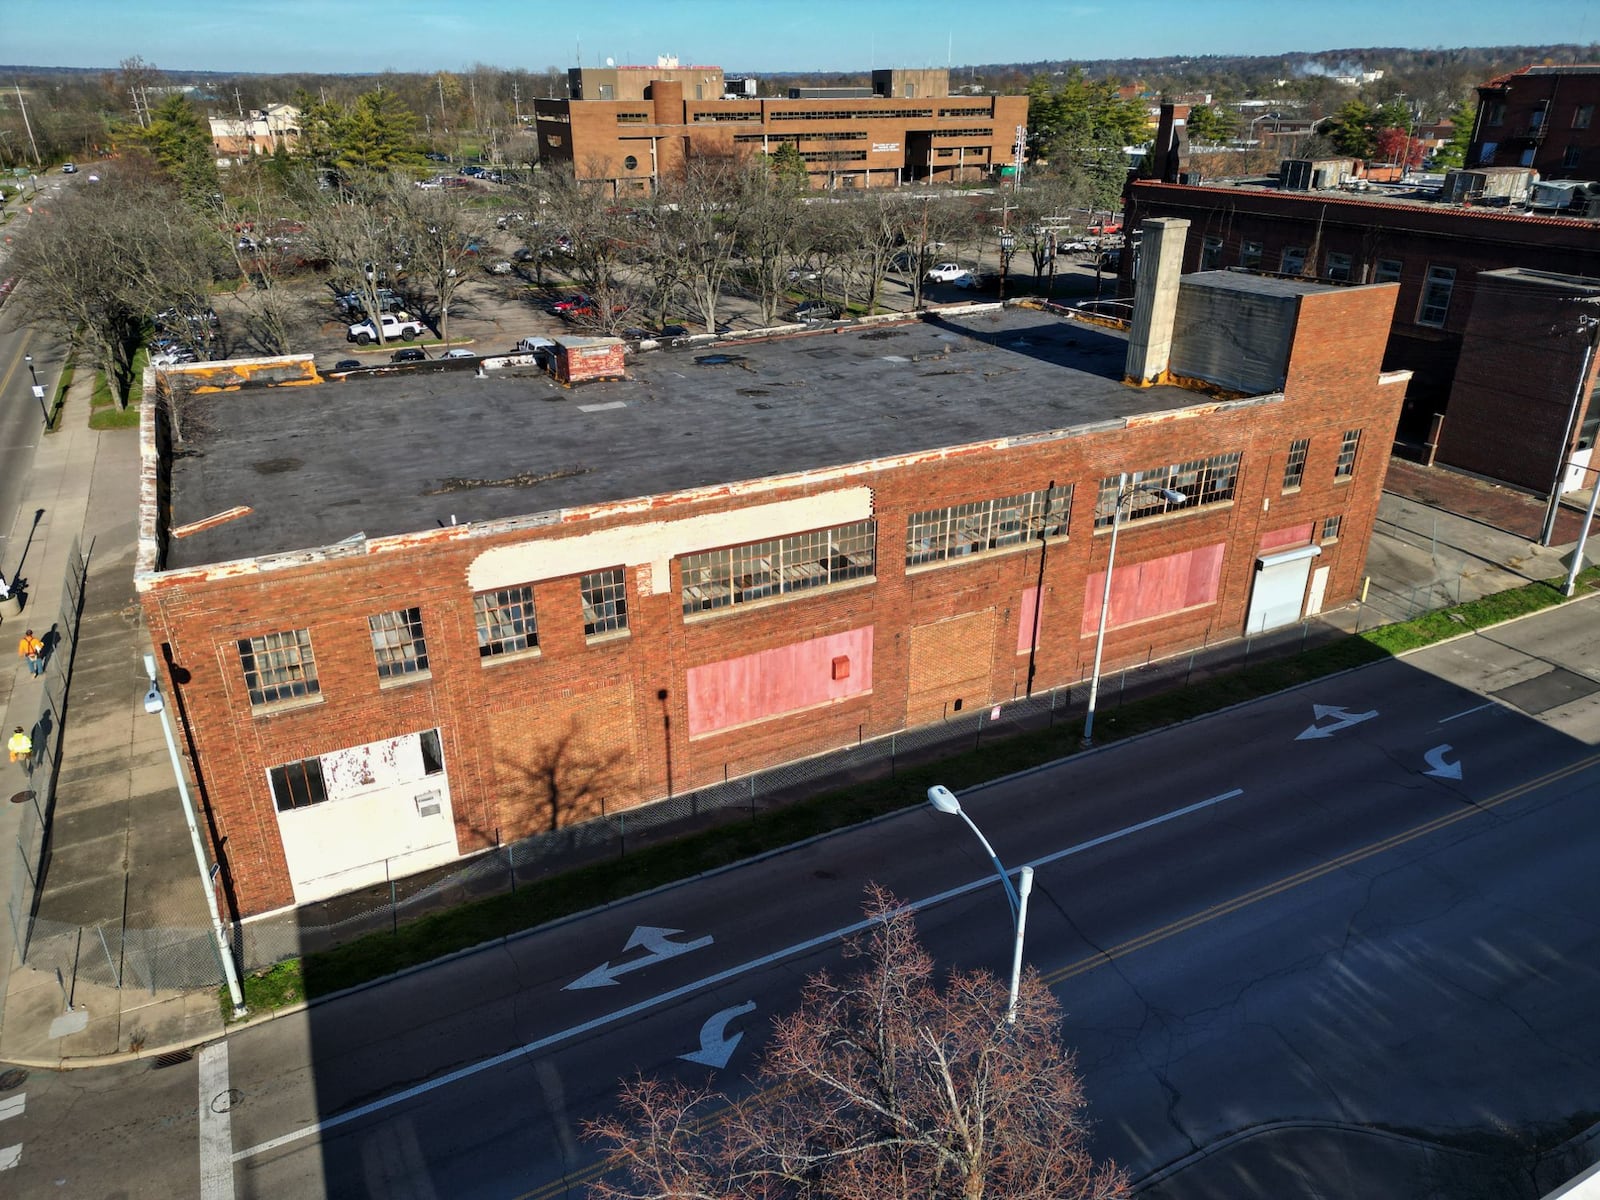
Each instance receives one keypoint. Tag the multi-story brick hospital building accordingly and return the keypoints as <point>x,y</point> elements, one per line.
<point>631,126</point>
<point>409,617</point>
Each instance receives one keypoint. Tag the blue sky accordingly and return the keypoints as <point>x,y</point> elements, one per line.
<point>740,35</point>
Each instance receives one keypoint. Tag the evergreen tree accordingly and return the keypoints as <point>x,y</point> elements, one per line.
<point>378,133</point>
<point>180,140</point>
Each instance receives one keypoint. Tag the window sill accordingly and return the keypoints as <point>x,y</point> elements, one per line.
<point>766,602</point>
<point>395,681</point>
<point>276,707</point>
<point>1175,515</point>
<point>611,635</point>
<point>960,560</point>
<point>493,660</point>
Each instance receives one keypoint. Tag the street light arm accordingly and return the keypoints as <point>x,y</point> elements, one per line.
<point>1011,891</point>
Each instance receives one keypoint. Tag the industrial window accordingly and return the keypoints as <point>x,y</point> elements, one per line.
<point>1295,469</point>
<point>986,131</point>
<point>1387,270</point>
<point>1210,253</point>
<point>1250,255</point>
<point>605,601</point>
<point>1570,158</point>
<point>739,574</point>
<point>397,643</point>
<point>506,621</point>
<point>1330,528</point>
<point>1203,480</point>
<point>1293,261</point>
<point>1582,116</point>
<point>633,118</point>
<point>963,529</point>
<point>1339,267</point>
<point>826,114</point>
<point>279,666</point>
<point>298,784</point>
<point>1435,304</point>
<point>432,755</point>
<point>833,156</point>
<point>1345,467</point>
<point>726,116</point>
<point>965,112</point>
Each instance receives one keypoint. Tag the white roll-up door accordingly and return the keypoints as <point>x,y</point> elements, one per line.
<point>1279,592</point>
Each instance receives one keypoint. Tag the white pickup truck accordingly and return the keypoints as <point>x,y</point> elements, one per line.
<point>394,325</point>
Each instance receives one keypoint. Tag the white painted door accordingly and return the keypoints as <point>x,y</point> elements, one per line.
<point>1319,587</point>
<point>1278,596</point>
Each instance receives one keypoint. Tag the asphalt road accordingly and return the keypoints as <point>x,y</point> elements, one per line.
<point>1297,955</point>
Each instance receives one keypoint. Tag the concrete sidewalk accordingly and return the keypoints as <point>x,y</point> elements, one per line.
<point>122,871</point>
<point>119,849</point>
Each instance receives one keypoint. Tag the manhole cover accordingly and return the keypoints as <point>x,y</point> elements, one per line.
<point>171,1058</point>
<point>14,1078</point>
<point>22,798</point>
<point>226,1101</point>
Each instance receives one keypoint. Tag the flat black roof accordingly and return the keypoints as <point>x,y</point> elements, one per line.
<point>401,453</point>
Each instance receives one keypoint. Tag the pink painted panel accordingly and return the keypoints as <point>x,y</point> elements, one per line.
<point>1152,589</point>
<point>1025,630</point>
<point>754,687</point>
<point>1280,539</point>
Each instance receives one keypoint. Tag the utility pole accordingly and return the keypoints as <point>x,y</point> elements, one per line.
<point>28,125</point>
<point>516,101</point>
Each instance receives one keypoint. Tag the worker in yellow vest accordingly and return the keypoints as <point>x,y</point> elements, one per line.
<point>20,745</point>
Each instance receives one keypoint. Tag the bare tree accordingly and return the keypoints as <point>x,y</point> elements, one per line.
<point>705,215</point>
<point>600,242</point>
<point>772,233</point>
<point>883,1086</point>
<point>355,229</point>
<point>443,237</point>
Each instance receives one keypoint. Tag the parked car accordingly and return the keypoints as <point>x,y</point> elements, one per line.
<point>408,356</point>
<point>809,311</point>
<point>435,156</point>
<point>175,356</point>
<point>473,172</point>
<point>457,352</point>
<point>352,305</point>
<point>1073,245</point>
<point>394,325</point>
<point>971,280</point>
<point>429,184</point>
<point>348,364</point>
<point>945,272</point>
<point>522,254</point>
<point>542,349</point>
<point>499,266</point>
<point>69,168</point>
<point>1110,260</point>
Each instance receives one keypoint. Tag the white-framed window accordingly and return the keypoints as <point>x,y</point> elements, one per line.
<point>1294,469</point>
<point>279,666</point>
<point>799,562</point>
<point>1435,305</point>
<point>1330,528</point>
<point>1345,466</point>
<point>1202,480</point>
<point>984,525</point>
<point>1293,261</point>
<point>506,621</point>
<point>1339,266</point>
<point>397,643</point>
<point>605,601</point>
<point>1387,270</point>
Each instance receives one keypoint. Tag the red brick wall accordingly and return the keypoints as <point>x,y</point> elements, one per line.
<point>498,716</point>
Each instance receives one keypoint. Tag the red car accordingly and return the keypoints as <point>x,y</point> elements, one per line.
<point>580,306</point>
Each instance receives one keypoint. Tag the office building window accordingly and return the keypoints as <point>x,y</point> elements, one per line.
<point>1202,480</point>
<point>297,784</point>
<point>1387,270</point>
<point>279,666</point>
<point>1345,466</point>
<point>1435,304</point>
<point>1293,261</point>
<point>1294,471</point>
<point>605,601</point>
<point>1339,267</point>
<point>506,621</point>
<point>398,644</point>
<point>739,574</point>
<point>1330,528</point>
<point>985,525</point>
<point>1250,255</point>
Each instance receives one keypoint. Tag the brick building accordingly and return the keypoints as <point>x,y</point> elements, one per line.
<point>395,643</point>
<point>264,131</point>
<point>909,129</point>
<point>1541,117</point>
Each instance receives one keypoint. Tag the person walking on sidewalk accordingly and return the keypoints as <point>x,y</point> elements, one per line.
<point>31,649</point>
<point>20,745</point>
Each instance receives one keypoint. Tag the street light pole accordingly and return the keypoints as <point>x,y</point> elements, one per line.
<point>1583,536</point>
<point>38,389</point>
<point>943,799</point>
<point>1591,326</point>
<point>153,703</point>
<point>1124,494</point>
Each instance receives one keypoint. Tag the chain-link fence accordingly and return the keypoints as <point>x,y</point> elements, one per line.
<point>113,954</point>
<point>44,761</point>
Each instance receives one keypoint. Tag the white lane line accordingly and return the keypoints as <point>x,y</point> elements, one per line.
<point>216,1124</point>
<point>10,1156</point>
<point>14,1106</point>
<point>688,989</point>
<point>1468,712</point>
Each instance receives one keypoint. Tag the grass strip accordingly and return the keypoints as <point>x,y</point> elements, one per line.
<point>436,934</point>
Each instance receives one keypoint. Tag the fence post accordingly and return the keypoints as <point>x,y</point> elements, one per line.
<point>892,737</point>
<point>394,912</point>
<point>752,797</point>
<point>115,974</point>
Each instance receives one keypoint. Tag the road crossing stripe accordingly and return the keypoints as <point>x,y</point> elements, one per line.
<point>10,1156</point>
<point>14,1106</point>
<point>216,1124</point>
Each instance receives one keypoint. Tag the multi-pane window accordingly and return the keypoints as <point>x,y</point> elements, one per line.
<point>1294,471</point>
<point>397,643</point>
<point>1339,267</point>
<point>506,621</point>
<point>297,784</point>
<point>1387,270</point>
<point>1571,157</point>
<point>1345,465</point>
<point>1210,253</point>
<point>1435,304</point>
<point>1293,261</point>
<point>1486,153</point>
<point>1582,116</point>
<point>279,666</point>
<point>1250,255</point>
<point>432,754</point>
<point>1494,113</point>
<point>1201,480</point>
<point>739,574</point>
<point>984,525</point>
<point>1330,528</point>
<point>605,601</point>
